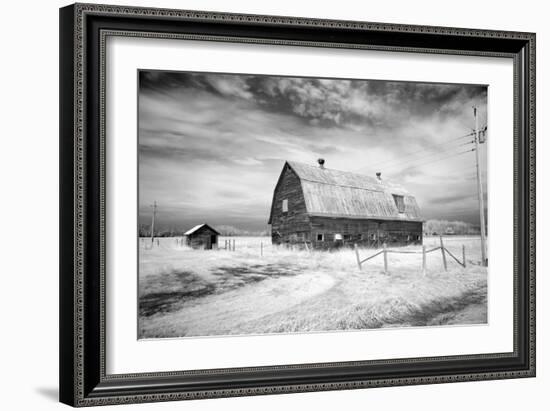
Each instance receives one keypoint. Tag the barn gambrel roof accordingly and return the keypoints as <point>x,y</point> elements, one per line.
<point>335,193</point>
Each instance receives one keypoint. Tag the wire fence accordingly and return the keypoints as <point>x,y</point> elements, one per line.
<point>231,245</point>
<point>425,251</point>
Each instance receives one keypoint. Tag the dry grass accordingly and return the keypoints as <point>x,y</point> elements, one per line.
<point>186,292</point>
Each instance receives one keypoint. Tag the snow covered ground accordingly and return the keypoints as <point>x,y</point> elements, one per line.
<point>186,292</point>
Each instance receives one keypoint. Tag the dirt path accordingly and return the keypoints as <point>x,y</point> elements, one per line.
<point>224,313</point>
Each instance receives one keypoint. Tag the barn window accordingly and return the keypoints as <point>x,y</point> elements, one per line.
<point>285,206</point>
<point>399,202</point>
<point>347,237</point>
<point>320,237</point>
<point>360,237</point>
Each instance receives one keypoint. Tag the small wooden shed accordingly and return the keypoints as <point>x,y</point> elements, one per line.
<point>202,237</point>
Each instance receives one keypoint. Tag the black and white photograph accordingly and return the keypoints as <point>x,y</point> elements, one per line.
<point>257,200</point>
<point>272,204</point>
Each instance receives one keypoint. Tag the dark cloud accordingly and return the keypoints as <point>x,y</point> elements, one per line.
<point>328,102</point>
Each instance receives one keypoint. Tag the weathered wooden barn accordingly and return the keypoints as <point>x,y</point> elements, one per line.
<point>326,208</point>
<point>202,236</point>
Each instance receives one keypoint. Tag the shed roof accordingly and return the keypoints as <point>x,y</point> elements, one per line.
<point>198,228</point>
<point>335,193</point>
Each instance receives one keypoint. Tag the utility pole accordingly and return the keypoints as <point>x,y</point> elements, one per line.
<point>480,193</point>
<point>153,221</point>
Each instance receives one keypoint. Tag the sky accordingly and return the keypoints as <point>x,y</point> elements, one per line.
<point>212,146</point>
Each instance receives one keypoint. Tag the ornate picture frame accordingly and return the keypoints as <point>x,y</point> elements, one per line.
<point>84,29</point>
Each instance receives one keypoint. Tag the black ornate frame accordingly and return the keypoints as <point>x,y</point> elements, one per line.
<point>83,30</point>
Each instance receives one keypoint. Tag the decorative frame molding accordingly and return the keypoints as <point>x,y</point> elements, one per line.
<point>83,32</point>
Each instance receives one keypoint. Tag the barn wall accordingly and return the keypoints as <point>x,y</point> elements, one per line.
<point>367,233</point>
<point>294,224</point>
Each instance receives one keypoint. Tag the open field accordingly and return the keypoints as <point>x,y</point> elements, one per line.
<point>185,292</point>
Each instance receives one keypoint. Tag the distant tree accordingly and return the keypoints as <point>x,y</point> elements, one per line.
<point>144,230</point>
<point>440,227</point>
<point>231,231</point>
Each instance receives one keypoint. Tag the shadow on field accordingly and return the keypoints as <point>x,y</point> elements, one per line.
<point>467,308</point>
<point>233,277</point>
<point>179,286</point>
<point>184,286</point>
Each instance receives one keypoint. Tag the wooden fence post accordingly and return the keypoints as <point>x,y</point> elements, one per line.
<point>233,244</point>
<point>424,260</point>
<point>357,256</point>
<point>463,255</point>
<point>385,259</point>
<point>443,252</point>
<point>261,249</point>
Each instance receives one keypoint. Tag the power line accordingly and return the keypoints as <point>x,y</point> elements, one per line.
<point>412,157</point>
<point>466,143</point>
<point>438,159</point>
<point>421,161</point>
<point>480,189</point>
<point>451,140</point>
<point>426,156</point>
<point>154,206</point>
<point>464,174</point>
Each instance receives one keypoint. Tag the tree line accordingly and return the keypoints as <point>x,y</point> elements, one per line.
<point>224,230</point>
<point>440,227</point>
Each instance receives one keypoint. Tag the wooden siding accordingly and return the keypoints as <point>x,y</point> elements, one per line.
<point>287,226</point>
<point>364,232</point>
<point>204,238</point>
